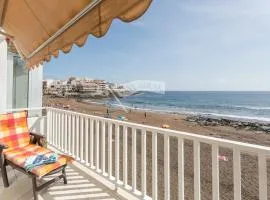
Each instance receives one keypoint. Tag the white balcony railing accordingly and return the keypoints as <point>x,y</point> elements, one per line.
<point>130,156</point>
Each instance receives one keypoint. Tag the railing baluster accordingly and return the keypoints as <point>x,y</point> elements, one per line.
<point>143,163</point>
<point>110,150</point>
<point>62,132</point>
<point>215,172</point>
<point>134,156</point>
<point>103,147</point>
<point>77,137</point>
<point>86,132</point>
<point>59,131</point>
<point>197,172</point>
<point>91,143</point>
<point>154,167</point>
<point>82,140</point>
<point>262,177</point>
<point>167,166</point>
<point>69,134</point>
<point>53,129</point>
<point>66,133</point>
<point>73,135</point>
<point>125,155</point>
<point>51,126</point>
<point>48,126</point>
<point>56,129</point>
<point>116,155</point>
<point>237,173</point>
<point>181,179</point>
<point>97,145</point>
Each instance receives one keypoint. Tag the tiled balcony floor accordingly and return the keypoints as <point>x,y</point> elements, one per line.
<point>80,186</point>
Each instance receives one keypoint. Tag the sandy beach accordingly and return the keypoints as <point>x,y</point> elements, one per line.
<point>179,122</point>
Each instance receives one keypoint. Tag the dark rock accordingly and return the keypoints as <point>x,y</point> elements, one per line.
<point>214,121</point>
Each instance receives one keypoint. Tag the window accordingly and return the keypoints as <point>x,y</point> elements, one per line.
<point>20,83</point>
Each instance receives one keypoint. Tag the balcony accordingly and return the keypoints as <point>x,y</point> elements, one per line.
<point>116,159</point>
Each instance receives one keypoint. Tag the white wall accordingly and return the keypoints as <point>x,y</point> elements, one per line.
<point>35,87</point>
<point>3,74</point>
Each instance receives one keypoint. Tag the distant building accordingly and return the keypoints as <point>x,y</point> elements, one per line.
<point>75,85</point>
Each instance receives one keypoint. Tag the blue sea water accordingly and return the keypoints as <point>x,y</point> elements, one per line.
<point>244,105</point>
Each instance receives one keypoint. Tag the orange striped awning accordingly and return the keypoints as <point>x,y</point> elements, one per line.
<point>43,27</point>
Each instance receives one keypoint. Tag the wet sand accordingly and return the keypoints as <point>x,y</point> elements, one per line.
<point>177,122</point>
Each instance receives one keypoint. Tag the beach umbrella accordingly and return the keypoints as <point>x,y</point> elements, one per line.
<point>40,29</point>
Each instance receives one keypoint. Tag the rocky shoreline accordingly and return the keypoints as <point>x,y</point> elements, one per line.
<point>237,124</point>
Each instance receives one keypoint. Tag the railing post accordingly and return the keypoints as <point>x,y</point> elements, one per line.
<point>110,150</point>
<point>237,173</point>
<point>116,155</point>
<point>154,167</point>
<point>59,131</point>
<point>125,155</point>
<point>69,134</point>
<point>66,133</point>
<point>73,135</point>
<point>134,157</point>
<point>87,143</point>
<point>53,129</point>
<point>103,147</point>
<point>181,164</point>
<point>215,172</point>
<point>77,137</point>
<point>97,145</point>
<point>91,143</point>
<point>82,140</point>
<point>143,146</point>
<point>262,177</point>
<point>49,126</point>
<point>197,172</point>
<point>167,166</point>
<point>62,132</point>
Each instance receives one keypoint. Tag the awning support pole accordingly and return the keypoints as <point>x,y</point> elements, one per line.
<point>88,8</point>
<point>7,35</point>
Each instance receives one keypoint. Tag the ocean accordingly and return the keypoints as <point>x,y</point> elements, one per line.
<point>239,105</point>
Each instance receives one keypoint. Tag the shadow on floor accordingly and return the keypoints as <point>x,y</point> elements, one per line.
<point>80,187</point>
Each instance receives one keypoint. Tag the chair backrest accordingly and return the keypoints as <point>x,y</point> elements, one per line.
<point>14,130</point>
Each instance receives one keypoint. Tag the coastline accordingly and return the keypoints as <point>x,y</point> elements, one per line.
<point>251,131</point>
<point>251,119</point>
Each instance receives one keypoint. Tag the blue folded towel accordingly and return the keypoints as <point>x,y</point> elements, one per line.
<point>38,160</point>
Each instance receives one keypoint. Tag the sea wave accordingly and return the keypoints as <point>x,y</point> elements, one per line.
<point>238,117</point>
<point>251,107</point>
<point>216,115</point>
<point>186,111</point>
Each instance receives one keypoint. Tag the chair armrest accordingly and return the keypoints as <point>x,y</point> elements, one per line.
<point>38,139</point>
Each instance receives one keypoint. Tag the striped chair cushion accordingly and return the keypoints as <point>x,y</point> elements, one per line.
<point>14,130</point>
<point>19,155</point>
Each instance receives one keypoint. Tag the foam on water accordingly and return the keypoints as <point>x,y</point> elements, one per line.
<point>251,106</point>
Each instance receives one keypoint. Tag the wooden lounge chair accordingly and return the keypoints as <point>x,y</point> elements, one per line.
<point>17,144</point>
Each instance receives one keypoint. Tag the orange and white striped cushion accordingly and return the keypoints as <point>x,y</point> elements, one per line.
<point>18,156</point>
<point>14,130</point>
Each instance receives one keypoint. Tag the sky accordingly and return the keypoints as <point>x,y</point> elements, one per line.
<point>187,44</point>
